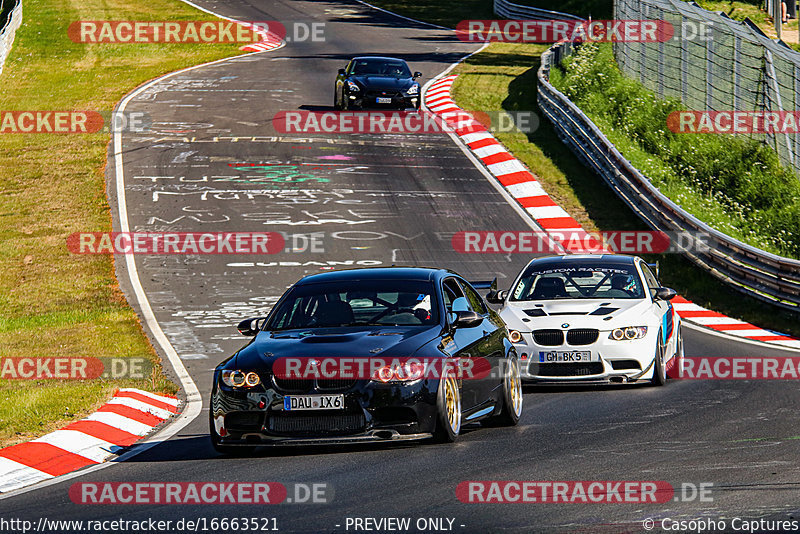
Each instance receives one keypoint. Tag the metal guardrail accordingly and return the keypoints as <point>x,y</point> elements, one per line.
<point>755,272</point>
<point>515,11</point>
<point>8,28</point>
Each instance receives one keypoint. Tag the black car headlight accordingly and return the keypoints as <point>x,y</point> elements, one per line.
<point>353,86</point>
<point>239,379</point>
<point>413,90</point>
<point>406,372</point>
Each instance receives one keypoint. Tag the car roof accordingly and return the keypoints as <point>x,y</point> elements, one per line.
<point>377,273</point>
<point>583,259</point>
<point>379,57</point>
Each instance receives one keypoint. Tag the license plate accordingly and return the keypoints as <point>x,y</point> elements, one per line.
<point>293,403</point>
<point>384,100</point>
<point>565,357</point>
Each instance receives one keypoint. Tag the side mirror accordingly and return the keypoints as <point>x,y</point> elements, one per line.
<point>466,319</point>
<point>417,74</point>
<point>341,72</point>
<point>665,293</point>
<point>250,327</point>
<point>496,297</point>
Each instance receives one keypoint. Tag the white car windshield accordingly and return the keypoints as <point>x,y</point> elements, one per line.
<point>579,282</point>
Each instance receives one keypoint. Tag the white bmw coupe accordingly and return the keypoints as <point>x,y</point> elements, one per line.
<point>592,319</point>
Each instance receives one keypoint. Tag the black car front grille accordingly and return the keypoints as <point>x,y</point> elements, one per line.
<point>582,336</point>
<point>316,425</point>
<point>334,384</point>
<point>548,338</point>
<point>293,385</point>
<point>307,385</point>
<point>383,94</point>
<point>570,369</point>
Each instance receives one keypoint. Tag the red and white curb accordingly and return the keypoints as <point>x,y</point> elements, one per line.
<point>509,171</point>
<point>269,41</point>
<point>552,218</point>
<point>125,419</point>
<point>694,313</point>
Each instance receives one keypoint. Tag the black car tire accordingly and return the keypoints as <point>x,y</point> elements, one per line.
<point>659,370</point>
<point>678,366</point>
<point>448,413</point>
<point>511,407</point>
<point>336,105</point>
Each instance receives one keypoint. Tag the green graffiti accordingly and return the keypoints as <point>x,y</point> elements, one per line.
<point>279,174</point>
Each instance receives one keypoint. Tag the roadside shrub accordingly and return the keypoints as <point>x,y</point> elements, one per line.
<point>736,184</point>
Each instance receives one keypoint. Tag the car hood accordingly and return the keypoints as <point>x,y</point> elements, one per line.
<point>383,83</point>
<point>604,314</point>
<point>385,341</point>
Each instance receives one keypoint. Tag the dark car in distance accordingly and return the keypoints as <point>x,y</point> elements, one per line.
<point>414,326</point>
<point>377,82</point>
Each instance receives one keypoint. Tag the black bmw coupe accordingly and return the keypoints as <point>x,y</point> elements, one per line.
<point>378,354</point>
<point>376,82</point>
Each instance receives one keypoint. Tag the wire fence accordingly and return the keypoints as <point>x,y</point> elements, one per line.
<point>714,64</point>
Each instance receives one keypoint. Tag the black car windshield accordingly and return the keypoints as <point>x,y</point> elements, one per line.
<point>579,282</point>
<point>380,67</point>
<point>357,303</point>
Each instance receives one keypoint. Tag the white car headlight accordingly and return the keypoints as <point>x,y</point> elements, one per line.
<point>413,90</point>
<point>628,333</point>
<point>353,86</point>
<point>514,336</point>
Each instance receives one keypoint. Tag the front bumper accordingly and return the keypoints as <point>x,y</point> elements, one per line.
<point>398,101</point>
<point>612,361</point>
<point>373,412</point>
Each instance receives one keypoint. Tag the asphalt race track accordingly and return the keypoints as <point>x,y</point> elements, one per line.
<point>212,161</point>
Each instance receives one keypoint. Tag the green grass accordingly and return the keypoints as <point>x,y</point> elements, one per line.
<point>738,10</point>
<point>443,13</point>
<point>595,9</point>
<point>53,303</point>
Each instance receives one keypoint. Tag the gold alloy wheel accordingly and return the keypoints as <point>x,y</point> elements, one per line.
<point>514,385</point>
<point>452,401</point>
